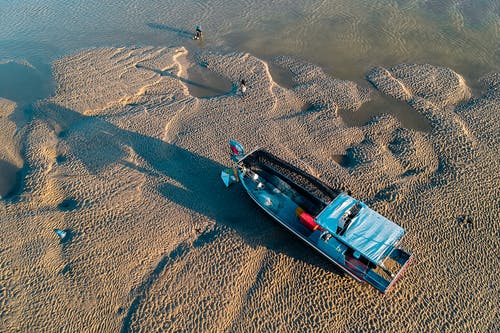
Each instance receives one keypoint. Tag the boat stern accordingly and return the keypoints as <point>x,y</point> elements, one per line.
<point>230,175</point>
<point>384,277</point>
<point>237,150</point>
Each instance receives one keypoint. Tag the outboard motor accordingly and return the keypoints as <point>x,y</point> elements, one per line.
<point>230,175</point>
<point>237,151</point>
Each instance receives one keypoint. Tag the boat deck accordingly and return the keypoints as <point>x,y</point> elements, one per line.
<point>277,201</point>
<point>280,202</point>
<point>313,194</point>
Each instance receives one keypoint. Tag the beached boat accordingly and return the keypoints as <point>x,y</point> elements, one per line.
<point>363,243</point>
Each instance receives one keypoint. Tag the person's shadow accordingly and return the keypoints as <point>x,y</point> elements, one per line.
<point>201,189</point>
<point>215,92</point>
<point>177,31</point>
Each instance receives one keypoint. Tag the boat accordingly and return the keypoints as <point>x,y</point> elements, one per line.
<point>361,242</point>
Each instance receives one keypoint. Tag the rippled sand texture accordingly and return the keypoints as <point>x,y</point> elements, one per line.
<point>127,161</point>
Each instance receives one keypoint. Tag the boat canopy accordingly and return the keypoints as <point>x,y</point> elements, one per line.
<point>361,228</point>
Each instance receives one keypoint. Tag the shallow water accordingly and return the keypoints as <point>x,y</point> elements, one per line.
<point>345,37</point>
<point>202,82</point>
<point>23,83</point>
<point>384,105</point>
<point>282,76</point>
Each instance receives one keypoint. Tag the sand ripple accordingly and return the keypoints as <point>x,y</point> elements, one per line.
<point>128,162</point>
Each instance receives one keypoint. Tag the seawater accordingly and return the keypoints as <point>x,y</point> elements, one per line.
<point>345,37</point>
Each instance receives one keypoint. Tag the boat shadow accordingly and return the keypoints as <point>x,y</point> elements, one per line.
<point>196,183</point>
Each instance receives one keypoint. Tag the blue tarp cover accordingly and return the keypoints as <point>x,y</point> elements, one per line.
<point>369,233</point>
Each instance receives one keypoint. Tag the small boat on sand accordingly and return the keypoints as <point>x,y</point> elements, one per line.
<point>363,243</point>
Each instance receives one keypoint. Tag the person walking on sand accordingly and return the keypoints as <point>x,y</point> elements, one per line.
<point>198,34</point>
<point>243,87</point>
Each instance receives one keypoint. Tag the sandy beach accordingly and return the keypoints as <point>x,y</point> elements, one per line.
<point>127,160</point>
<point>114,129</point>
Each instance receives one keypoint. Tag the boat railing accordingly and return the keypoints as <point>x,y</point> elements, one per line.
<point>294,175</point>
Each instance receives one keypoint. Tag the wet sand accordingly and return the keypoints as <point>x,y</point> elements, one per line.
<point>10,157</point>
<point>128,161</point>
<point>8,178</point>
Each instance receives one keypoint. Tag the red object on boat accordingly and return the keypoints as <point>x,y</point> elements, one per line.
<point>234,150</point>
<point>307,220</point>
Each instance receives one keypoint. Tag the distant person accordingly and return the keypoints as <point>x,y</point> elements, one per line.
<point>243,87</point>
<point>198,34</point>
